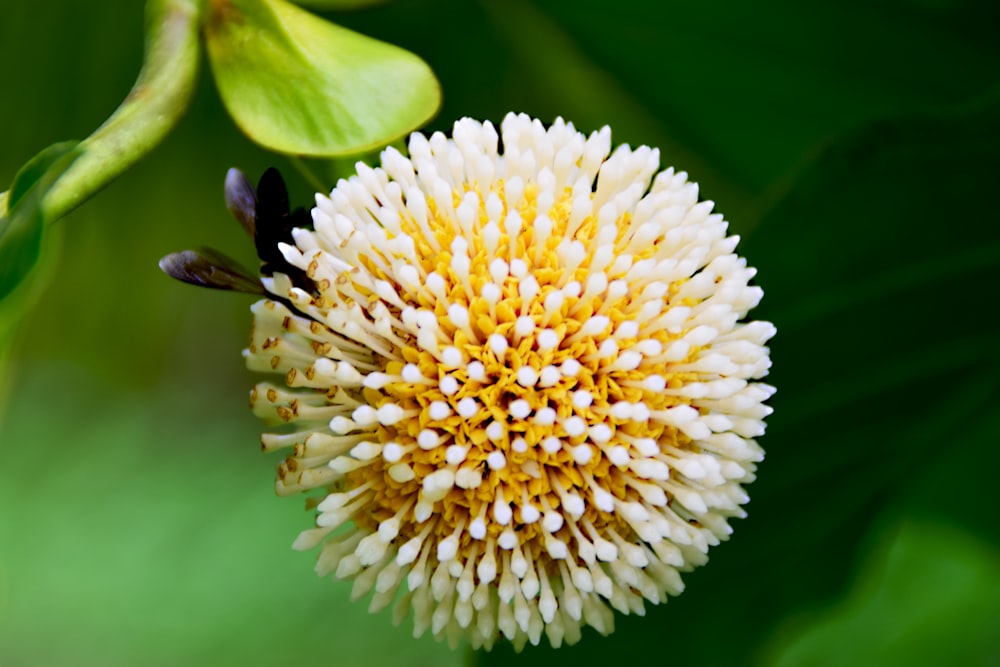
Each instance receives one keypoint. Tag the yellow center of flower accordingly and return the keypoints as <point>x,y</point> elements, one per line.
<point>537,391</point>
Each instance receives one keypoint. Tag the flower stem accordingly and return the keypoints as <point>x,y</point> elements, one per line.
<point>155,104</point>
<point>311,177</point>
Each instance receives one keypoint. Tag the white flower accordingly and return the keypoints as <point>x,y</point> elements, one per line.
<point>519,379</point>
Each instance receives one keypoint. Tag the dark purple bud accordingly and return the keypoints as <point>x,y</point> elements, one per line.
<point>241,200</point>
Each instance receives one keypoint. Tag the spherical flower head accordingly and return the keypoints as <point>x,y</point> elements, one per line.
<point>519,378</point>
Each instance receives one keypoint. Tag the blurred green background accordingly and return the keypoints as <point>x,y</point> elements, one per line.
<point>854,146</point>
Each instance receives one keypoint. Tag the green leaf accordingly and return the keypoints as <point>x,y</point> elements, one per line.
<point>931,596</point>
<point>339,5</point>
<point>754,88</point>
<point>22,224</point>
<point>297,84</point>
<point>34,170</point>
<point>568,80</point>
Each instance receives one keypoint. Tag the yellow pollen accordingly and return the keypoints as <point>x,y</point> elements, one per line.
<point>534,471</point>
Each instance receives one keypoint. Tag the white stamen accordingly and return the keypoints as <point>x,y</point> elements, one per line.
<point>496,460</point>
<point>618,455</point>
<point>627,329</point>
<point>594,326</point>
<point>554,301</point>
<point>476,371</point>
<point>437,484</point>
<point>468,478</point>
<point>428,439</point>
<point>570,368</point>
<point>646,446</point>
<point>547,339</point>
<point>467,407</point>
<point>452,357</point>
<point>438,410</point>
<point>491,293</point>
<point>411,373</point>
<point>628,360</point>
<point>389,414</point>
<point>498,344</point>
<point>477,529</point>
<point>600,433</point>
<point>508,540</point>
<point>458,315</point>
<point>401,473</point>
<point>527,376</point>
<point>376,380</point>
<point>607,349</point>
<point>392,452</point>
<point>448,385</point>
<point>455,454</point>
<point>549,376</point>
<point>499,271</point>
<point>649,347</point>
<point>545,416</point>
<point>501,511</point>
<point>552,521</point>
<point>365,416</point>
<point>582,454</point>
<point>552,444</point>
<point>575,426</point>
<point>582,399</point>
<point>495,431</point>
<point>341,425</point>
<point>573,504</point>
<point>621,410</point>
<point>366,451</point>
<point>519,409</point>
<point>487,569</point>
<point>524,325</point>
<point>655,383</point>
<point>528,289</point>
<point>529,513</point>
<point>602,499</point>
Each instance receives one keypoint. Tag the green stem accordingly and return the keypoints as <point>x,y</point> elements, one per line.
<point>155,104</point>
<point>313,179</point>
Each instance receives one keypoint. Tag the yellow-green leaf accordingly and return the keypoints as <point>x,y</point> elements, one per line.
<point>339,5</point>
<point>298,84</point>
